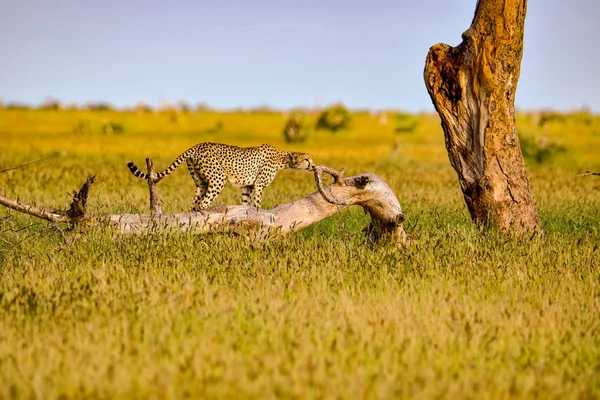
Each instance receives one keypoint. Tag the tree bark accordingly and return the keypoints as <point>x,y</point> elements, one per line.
<point>155,207</point>
<point>472,87</point>
<point>366,190</point>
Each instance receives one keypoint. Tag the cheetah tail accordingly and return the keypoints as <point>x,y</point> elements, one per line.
<point>137,172</point>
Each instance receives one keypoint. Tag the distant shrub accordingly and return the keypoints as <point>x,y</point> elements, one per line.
<point>334,118</point>
<point>143,108</point>
<point>83,126</point>
<point>202,107</point>
<point>112,127</point>
<point>264,109</point>
<point>540,152</point>
<point>583,117</point>
<point>405,123</point>
<point>71,107</point>
<point>99,107</point>
<point>550,116</point>
<point>51,104</point>
<point>17,106</point>
<point>215,129</point>
<point>183,107</point>
<point>173,116</point>
<point>295,129</point>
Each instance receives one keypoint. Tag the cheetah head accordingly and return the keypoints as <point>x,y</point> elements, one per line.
<point>301,161</point>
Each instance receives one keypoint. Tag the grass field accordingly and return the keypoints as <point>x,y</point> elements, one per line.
<point>457,313</point>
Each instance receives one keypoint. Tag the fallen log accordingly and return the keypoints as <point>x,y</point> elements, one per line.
<point>366,190</point>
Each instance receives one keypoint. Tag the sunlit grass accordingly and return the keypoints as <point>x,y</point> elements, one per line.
<point>458,313</point>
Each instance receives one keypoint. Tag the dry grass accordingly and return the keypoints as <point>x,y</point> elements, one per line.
<point>456,314</point>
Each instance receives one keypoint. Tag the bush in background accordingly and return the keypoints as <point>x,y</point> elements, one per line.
<point>143,108</point>
<point>405,123</point>
<point>295,129</point>
<point>334,118</point>
<point>99,107</point>
<point>17,106</point>
<point>112,127</point>
<point>539,151</point>
<point>50,104</point>
<point>217,128</point>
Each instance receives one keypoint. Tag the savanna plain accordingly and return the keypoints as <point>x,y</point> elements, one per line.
<point>457,312</point>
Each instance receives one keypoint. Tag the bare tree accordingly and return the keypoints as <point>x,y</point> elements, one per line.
<point>473,87</point>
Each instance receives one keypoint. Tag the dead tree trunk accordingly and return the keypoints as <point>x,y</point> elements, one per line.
<point>472,87</point>
<point>366,190</point>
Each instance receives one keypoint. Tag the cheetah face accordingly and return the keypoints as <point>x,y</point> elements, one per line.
<point>302,161</point>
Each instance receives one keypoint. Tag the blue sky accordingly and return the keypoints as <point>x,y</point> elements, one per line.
<point>280,53</point>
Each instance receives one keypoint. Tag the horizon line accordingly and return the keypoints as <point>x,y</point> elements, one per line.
<point>186,106</point>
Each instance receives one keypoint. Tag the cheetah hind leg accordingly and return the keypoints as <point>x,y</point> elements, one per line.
<point>246,193</point>
<point>200,193</point>
<point>201,185</point>
<point>213,190</point>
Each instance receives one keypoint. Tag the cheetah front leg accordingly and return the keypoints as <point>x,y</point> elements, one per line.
<point>261,182</point>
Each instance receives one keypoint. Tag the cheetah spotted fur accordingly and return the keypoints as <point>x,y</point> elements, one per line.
<point>252,168</point>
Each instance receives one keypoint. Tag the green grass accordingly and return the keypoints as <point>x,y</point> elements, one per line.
<point>457,313</point>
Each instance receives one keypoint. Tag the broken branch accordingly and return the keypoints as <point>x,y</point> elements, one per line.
<point>155,208</point>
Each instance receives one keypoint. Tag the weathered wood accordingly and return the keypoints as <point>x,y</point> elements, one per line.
<point>76,211</point>
<point>74,214</point>
<point>472,87</point>
<point>49,214</point>
<point>366,190</point>
<point>155,207</point>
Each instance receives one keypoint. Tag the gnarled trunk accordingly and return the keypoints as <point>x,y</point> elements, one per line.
<point>473,87</point>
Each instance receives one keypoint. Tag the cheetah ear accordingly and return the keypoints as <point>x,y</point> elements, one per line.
<point>290,158</point>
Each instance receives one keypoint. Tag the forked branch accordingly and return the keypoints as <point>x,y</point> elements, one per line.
<point>338,177</point>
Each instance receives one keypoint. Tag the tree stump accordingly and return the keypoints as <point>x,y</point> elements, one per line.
<point>472,87</point>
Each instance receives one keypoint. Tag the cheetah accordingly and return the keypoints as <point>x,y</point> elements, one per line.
<point>251,168</point>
